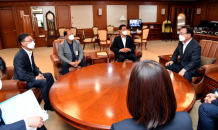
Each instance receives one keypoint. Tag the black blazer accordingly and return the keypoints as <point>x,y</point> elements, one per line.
<point>181,121</point>
<point>19,125</point>
<point>191,59</point>
<point>118,44</point>
<point>22,67</point>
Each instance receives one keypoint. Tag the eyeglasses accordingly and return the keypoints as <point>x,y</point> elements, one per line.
<point>30,40</point>
<point>182,33</point>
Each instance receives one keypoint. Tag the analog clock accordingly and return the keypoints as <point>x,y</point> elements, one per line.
<point>51,29</point>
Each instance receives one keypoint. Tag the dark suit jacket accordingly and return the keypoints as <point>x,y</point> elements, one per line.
<point>191,59</point>
<point>118,44</point>
<point>20,125</point>
<point>22,67</point>
<point>181,121</point>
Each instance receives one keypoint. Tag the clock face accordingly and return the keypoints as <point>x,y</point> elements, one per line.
<point>50,16</point>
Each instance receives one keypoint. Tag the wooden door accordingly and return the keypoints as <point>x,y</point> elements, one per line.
<point>8,29</point>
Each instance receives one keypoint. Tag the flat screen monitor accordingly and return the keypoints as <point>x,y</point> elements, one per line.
<point>213,25</point>
<point>135,23</point>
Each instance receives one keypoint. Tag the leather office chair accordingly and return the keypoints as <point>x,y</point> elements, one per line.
<point>87,40</point>
<point>102,34</point>
<point>10,84</point>
<point>111,54</point>
<point>208,49</point>
<point>57,62</point>
<point>143,38</point>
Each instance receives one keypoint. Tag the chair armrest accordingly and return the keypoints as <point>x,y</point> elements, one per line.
<point>56,61</point>
<point>138,53</point>
<point>22,84</point>
<point>210,68</point>
<point>111,55</point>
<point>10,85</point>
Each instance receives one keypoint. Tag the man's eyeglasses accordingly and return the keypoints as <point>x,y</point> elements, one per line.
<point>182,33</point>
<point>30,40</point>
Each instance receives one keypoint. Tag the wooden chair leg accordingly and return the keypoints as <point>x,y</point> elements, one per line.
<point>100,47</point>
<point>141,45</point>
<point>145,45</point>
<point>84,45</point>
<point>94,45</point>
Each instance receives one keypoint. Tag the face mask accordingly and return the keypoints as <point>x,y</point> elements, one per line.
<point>124,32</point>
<point>181,38</point>
<point>71,37</point>
<point>0,84</point>
<point>31,45</point>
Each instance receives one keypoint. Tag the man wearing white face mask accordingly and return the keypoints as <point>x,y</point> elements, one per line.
<point>70,52</point>
<point>36,121</point>
<point>123,46</point>
<point>26,70</point>
<point>190,55</point>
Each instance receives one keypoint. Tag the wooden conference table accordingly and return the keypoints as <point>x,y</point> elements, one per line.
<point>94,97</point>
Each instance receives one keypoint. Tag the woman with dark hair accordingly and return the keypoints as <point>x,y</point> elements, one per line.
<point>151,101</point>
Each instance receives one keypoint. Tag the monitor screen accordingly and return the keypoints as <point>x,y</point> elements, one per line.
<point>135,23</point>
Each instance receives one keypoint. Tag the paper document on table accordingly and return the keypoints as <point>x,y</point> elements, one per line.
<point>101,53</point>
<point>21,107</point>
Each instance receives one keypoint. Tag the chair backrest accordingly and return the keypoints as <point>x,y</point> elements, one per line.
<point>145,34</point>
<point>9,74</point>
<point>73,29</point>
<point>112,39</point>
<point>110,29</point>
<point>209,49</point>
<point>61,31</point>
<point>144,27</point>
<point>56,46</point>
<point>102,34</point>
<point>95,30</point>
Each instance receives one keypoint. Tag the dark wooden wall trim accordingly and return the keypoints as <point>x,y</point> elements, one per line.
<point>209,11</point>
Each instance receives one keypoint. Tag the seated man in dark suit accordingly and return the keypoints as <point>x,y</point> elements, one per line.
<point>208,112</point>
<point>22,124</point>
<point>26,70</point>
<point>70,52</point>
<point>123,46</point>
<point>190,55</point>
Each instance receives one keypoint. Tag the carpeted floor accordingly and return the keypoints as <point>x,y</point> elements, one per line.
<point>42,60</point>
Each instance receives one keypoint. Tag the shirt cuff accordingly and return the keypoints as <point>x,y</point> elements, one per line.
<point>216,94</point>
<point>26,123</point>
<point>36,77</point>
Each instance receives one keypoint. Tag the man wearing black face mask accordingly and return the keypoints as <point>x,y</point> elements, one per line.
<point>123,46</point>
<point>70,52</point>
<point>25,69</point>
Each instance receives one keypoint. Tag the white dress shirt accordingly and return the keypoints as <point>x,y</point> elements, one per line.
<point>124,41</point>
<point>185,45</point>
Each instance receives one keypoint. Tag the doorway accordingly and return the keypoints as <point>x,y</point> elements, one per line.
<point>7,28</point>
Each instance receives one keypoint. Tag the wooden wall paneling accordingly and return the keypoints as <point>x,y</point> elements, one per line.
<point>132,12</point>
<point>160,17</point>
<point>63,16</point>
<point>7,28</point>
<point>99,21</point>
<point>35,26</point>
<point>0,43</point>
<point>27,25</point>
<point>19,21</point>
<point>212,12</point>
<point>198,17</point>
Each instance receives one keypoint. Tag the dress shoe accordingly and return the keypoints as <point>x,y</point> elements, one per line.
<point>48,107</point>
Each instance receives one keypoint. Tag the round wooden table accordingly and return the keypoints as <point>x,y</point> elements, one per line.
<point>94,97</point>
